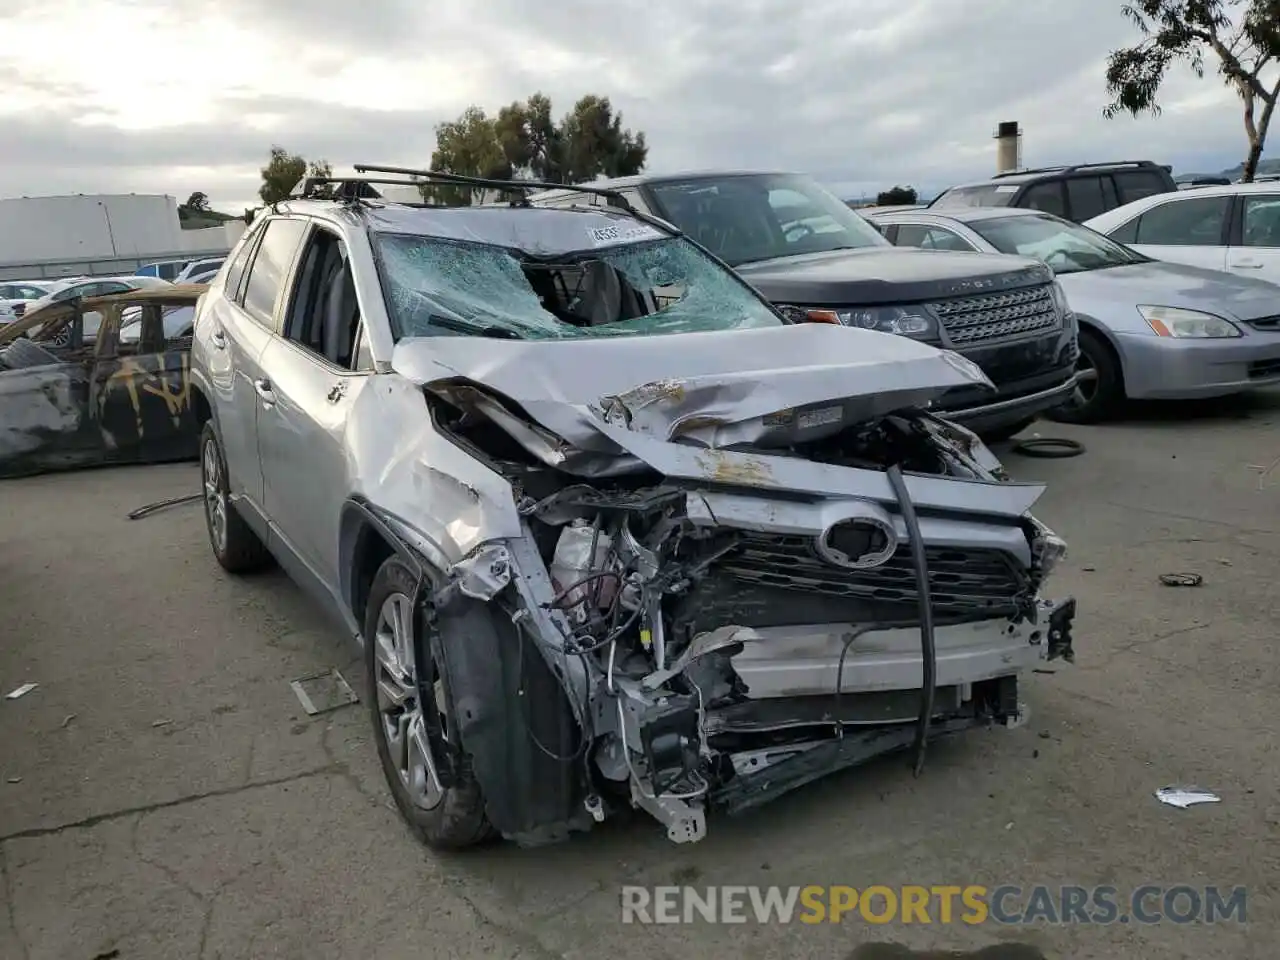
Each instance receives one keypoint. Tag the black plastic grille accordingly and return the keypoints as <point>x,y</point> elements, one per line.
<point>959,580</point>
<point>994,316</point>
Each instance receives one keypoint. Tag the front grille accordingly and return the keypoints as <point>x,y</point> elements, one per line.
<point>1266,323</point>
<point>960,581</point>
<point>1264,368</point>
<point>994,316</point>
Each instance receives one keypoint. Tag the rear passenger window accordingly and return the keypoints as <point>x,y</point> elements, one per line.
<point>930,238</point>
<point>1086,198</point>
<point>1046,197</point>
<point>1191,222</point>
<point>236,271</point>
<point>1136,184</point>
<point>272,262</point>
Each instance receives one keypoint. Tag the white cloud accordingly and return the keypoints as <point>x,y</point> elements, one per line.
<point>181,95</point>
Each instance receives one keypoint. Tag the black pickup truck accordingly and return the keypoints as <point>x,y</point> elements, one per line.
<point>818,261</point>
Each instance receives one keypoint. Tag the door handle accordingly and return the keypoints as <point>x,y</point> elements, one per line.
<point>219,340</point>
<point>1247,265</point>
<point>263,387</point>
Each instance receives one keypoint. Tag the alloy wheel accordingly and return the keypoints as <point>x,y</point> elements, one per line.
<point>408,724</point>
<point>215,501</point>
<point>1086,380</point>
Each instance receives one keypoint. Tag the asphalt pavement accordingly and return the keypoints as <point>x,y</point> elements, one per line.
<point>163,795</point>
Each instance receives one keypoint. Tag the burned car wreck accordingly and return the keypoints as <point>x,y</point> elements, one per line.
<point>98,380</point>
<point>612,531</point>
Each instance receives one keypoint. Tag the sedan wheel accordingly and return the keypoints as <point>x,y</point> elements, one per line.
<point>1100,386</point>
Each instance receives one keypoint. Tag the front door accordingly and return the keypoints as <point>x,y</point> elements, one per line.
<point>302,427</point>
<point>142,385</point>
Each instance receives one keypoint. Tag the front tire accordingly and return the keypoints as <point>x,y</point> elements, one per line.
<point>427,770</point>
<point>1101,393</point>
<point>235,545</point>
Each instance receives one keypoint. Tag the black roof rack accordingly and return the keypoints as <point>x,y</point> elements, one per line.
<point>357,189</point>
<point>1072,168</point>
<point>522,187</point>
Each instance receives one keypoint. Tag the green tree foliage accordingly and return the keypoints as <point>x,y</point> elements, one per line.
<point>1242,35</point>
<point>284,170</point>
<point>198,202</point>
<point>468,146</point>
<point>524,141</point>
<point>896,196</point>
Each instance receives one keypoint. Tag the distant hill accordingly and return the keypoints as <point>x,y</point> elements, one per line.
<point>1265,168</point>
<point>190,219</point>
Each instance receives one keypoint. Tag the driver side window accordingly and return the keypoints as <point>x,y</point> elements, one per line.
<point>324,314</point>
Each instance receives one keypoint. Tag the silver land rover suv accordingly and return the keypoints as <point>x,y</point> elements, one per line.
<point>611,530</point>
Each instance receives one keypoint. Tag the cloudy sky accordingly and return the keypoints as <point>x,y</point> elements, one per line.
<point>172,96</point>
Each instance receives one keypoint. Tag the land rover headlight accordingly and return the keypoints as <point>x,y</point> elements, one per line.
<point>1060,298</point>
<point>1183,324</point>
<point>916,322</point>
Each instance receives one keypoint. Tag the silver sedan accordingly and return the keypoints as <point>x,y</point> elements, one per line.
<point>1148,329</point>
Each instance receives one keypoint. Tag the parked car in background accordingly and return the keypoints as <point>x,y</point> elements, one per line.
<point>1148,329</point>
<point>68,400</point>
<point>581,492</point>
<point>819,261</point>
<point>163,269</point>
<point>15,295</point>
<point>86,287</point>
<point>1234,228</point>
<point>1074,193</point>
<point>196,268</point>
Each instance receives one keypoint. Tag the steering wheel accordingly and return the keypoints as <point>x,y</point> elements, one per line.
<point>799,232</point>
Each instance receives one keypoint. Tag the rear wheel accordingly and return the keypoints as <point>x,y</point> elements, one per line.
<point>414,724</point>
<point>1100,389</point>
<point>236,547</point>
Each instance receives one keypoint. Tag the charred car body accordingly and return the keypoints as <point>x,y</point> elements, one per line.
<point>808,253</point>
<point>98,380</point>
<point>611,530</point>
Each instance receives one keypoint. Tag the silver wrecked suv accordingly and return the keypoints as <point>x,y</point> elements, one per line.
<point>611,530</point>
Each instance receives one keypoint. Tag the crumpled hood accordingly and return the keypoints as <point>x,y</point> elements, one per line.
<point>765,387</point>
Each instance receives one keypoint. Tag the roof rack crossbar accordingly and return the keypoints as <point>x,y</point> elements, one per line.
<point>510,186</point>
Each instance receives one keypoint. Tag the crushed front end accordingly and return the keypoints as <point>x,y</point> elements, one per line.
<point>730,624</point>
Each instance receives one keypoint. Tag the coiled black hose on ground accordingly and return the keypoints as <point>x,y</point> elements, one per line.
<point>928,647</point>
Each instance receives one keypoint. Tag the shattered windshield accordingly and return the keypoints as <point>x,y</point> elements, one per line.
<point>438,287</point>
<point>751,217</point>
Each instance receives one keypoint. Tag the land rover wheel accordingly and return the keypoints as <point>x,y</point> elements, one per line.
<point>428,772</point>
<point>1100,389</point>
<point>235,545</point>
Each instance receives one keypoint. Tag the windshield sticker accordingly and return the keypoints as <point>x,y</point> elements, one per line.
<point>1006,188</point>
<point>619,233</point>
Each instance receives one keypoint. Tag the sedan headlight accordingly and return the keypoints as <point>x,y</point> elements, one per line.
<point>1183,324</point>
<point>914,322</point>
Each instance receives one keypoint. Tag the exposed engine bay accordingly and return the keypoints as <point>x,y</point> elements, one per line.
<point>722,635</point>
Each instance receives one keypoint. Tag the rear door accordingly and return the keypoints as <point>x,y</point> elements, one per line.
<point>241,324</point>
<point>1255,240</point>
<point>1182,229</point>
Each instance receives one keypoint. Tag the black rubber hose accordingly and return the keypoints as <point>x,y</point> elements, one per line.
<point>928,647</point>
<point>1049,448</point>
<point>159,505</point>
